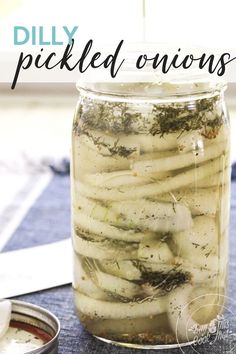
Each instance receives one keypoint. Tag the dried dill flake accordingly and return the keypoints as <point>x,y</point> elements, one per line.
<point>186,117</point>
<point>166,281</point>
<point>106,116</point>
<point>154,119</point>
<point>114,149</point>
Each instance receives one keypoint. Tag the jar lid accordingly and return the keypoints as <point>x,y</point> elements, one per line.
<point>32,330</point>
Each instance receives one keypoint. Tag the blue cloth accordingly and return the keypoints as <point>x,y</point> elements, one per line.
<point>233,172</point>
<point>49,220</point>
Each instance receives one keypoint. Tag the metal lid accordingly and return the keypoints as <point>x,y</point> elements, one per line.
<point>38,322</point>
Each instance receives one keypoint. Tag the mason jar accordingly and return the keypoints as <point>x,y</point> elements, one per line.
<point>150,210</point>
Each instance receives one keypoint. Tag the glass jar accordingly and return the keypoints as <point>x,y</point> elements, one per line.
<point>150,205</point>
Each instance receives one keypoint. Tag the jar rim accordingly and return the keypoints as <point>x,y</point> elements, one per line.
<point>155,89</point>
<point>151,80</point>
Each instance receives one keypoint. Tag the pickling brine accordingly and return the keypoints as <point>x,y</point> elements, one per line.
<point>150,205</point>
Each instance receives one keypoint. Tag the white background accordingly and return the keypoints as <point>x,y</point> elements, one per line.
<point>207,23</point>
<point>204,22</point>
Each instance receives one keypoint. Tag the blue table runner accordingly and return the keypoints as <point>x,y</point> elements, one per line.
<point>47,221</point>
